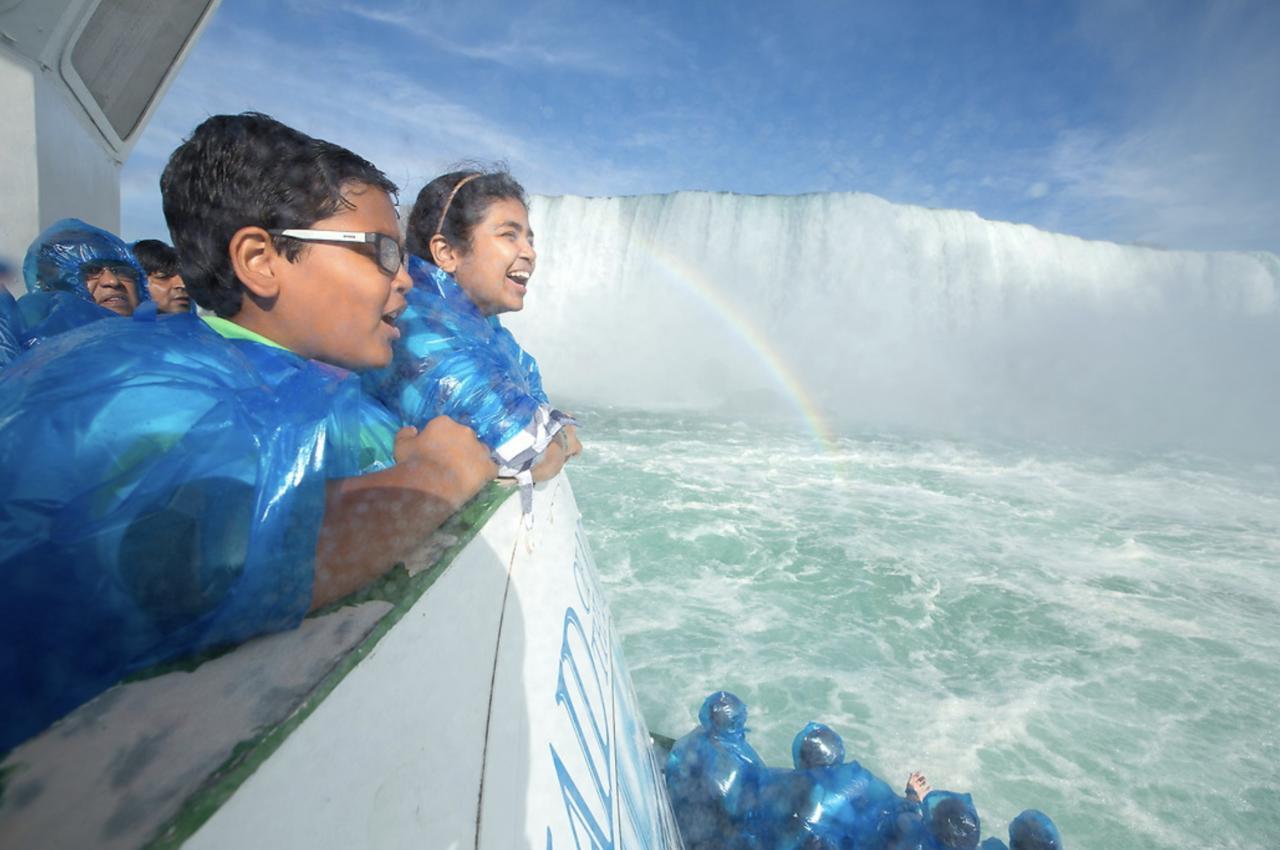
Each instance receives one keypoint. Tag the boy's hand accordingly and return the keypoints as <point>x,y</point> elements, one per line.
<point>444,446</point>
<point>372,521</point>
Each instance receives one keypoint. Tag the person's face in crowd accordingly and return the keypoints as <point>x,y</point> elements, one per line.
<point>169,293</point>
<point>334,302</point>
<point>112,285</point>
<point>496,271</point>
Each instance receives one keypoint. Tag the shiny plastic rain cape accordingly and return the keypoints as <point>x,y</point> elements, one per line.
<point>53,261</point>
<point>713,776</point>
<point>10,328</point>
<point>46,314</point>
<point>57,299</point>
<point>164,489</point>
<point>451,360</point>
<point>825,801</point>
<point>723,795</point>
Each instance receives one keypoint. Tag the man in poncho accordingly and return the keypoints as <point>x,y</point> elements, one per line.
<point>75,274</point>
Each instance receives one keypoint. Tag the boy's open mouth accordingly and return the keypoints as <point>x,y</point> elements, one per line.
<point>390,319</point>
<point>520,279</point>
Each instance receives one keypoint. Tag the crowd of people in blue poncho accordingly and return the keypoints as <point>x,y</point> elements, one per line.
<point>177,481</point>
<point>724,796</point>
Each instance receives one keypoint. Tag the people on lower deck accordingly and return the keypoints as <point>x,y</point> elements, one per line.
<point>1033,830</point>
<point>952,821</point>
<point>839,803</point>
<point>472,258</point>
<point>713,776</point>
<point>723,794</point>
<point>179,485</point>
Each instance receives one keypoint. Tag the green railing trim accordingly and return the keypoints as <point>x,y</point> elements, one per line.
<point>396,587</point>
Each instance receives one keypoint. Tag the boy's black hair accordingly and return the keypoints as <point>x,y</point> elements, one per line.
<point>465,210</point>
<point>249,170</point>
<point>156,257</point>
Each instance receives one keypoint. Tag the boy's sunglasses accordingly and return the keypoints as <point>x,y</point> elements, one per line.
<point>386,250</point>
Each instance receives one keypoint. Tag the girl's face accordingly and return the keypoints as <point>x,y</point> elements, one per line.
<point>495,272</point>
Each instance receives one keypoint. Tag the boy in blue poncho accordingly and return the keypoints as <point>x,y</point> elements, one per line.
<point>179,485</point>
<point>472,258</point>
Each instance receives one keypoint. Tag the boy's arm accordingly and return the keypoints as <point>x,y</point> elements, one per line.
<point>374,521</point>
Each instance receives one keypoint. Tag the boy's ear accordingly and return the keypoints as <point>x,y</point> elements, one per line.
<point>254,258</point>
<point>443,254</point>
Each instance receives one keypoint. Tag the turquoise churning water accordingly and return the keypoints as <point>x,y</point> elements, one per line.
<point>1093,635</point>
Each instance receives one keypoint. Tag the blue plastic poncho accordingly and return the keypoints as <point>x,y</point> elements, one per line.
<point>164,490</point>
<point>57,299</point>
<point>452,360</point>
<point>824,801</point>
<point>724,796</point>
<point>951,820</point>
<point>1033,830</point>
<point>713,776</point>
<point>11,326</point>
<point>54,259</point>
<point>46,314</point>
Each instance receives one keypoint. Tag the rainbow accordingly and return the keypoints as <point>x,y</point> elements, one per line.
<point>694,281</point>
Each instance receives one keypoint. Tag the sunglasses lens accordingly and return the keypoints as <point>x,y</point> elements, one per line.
<point>121,271</point>
<point>389,256</point>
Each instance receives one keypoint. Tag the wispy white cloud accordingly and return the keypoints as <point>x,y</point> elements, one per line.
<point>356,98</point>
<point>1192,163</point>
<point>506,51</point>
<point>600,42</point>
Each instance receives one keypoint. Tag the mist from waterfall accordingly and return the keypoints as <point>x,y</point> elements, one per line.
<point>897,317</point>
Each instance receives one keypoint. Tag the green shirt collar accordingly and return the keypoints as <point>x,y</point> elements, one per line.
<point>230,330</point>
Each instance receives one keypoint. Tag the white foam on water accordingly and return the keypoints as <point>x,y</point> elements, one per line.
<point>1090,634</point>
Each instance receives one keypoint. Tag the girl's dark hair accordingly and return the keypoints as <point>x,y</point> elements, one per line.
<point>250,170</point>
<point>465,210</point>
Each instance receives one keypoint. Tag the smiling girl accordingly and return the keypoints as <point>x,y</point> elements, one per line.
<point>472,259</point>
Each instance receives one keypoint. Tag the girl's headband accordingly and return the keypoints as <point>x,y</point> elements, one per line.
<point>444,212</point>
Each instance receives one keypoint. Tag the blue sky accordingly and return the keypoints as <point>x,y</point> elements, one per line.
<point>1137,121</point>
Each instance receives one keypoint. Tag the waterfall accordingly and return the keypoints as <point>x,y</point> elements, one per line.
<point>873,314</point>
